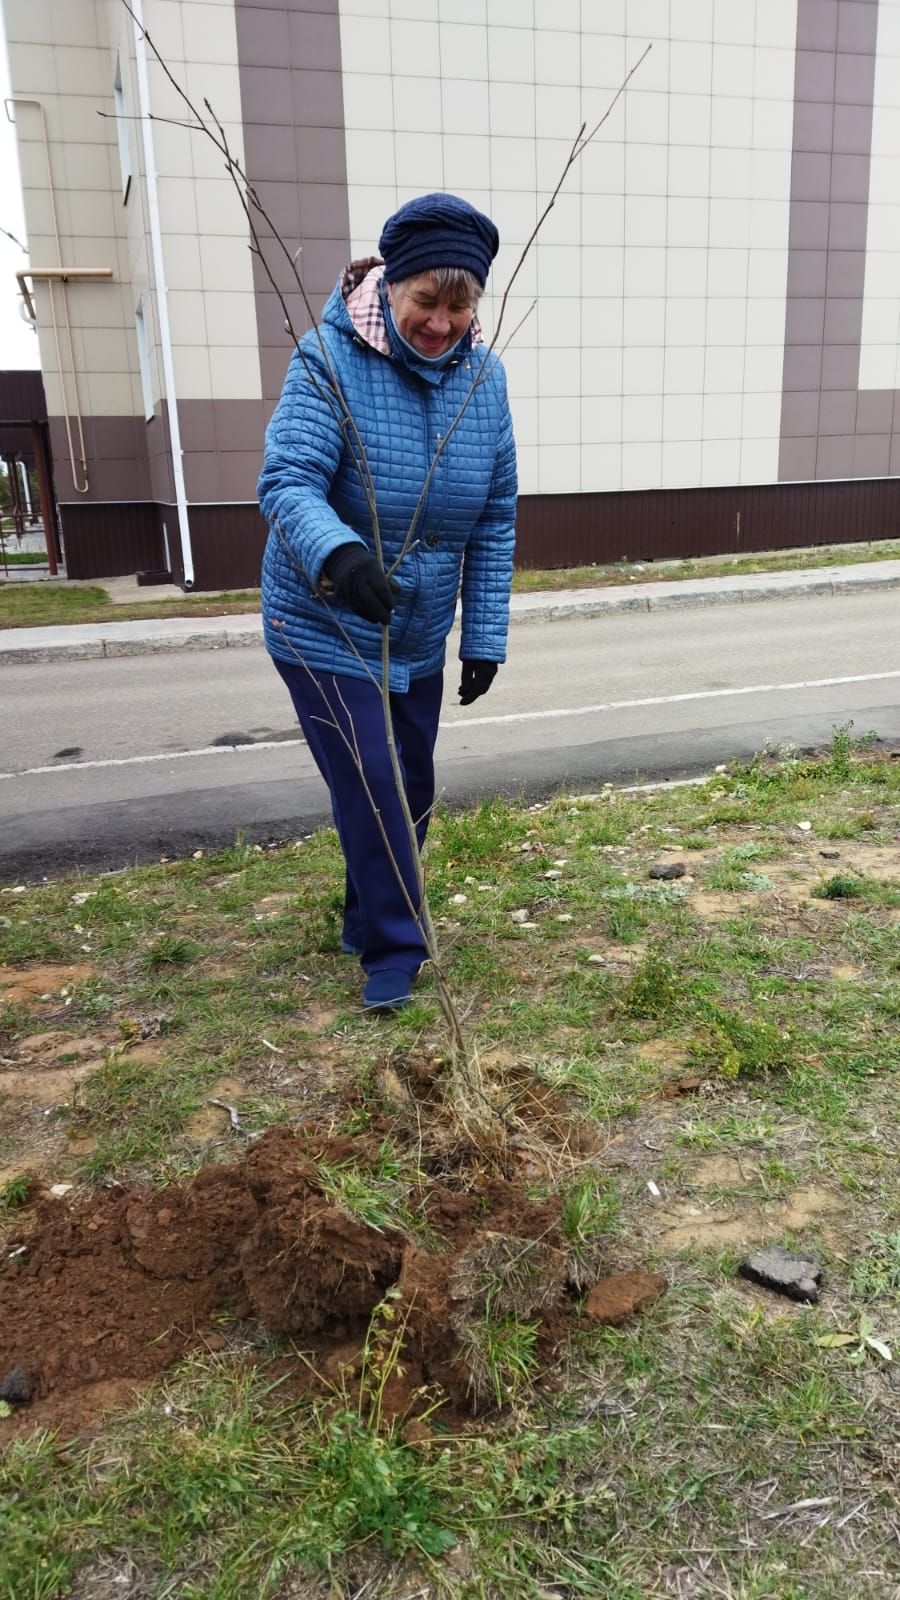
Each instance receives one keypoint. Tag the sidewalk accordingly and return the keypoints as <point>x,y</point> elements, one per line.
<point>84,641</point>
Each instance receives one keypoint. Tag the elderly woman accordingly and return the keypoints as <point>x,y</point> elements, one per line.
<point>402,340</point>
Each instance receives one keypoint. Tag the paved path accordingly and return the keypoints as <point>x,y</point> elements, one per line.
<point>80,641</point>
<point>100,766</point>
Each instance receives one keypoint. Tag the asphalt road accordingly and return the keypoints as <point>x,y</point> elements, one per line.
<point>112,761</point>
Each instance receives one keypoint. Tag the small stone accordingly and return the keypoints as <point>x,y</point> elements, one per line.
<point>564,916</point>
<point>668,869</point>
<point>614,1299</point>
<point>417,1432</point>
<point>805,827</point>
<point>552,874</point>
<point>459,899</point>
<point>60,1190</point>
<point>198,855</point>
<point>597,961</point>
<point>790,1272</point>
<point>16,1387</point>
<point>519,916</point>
<point>830,855</point>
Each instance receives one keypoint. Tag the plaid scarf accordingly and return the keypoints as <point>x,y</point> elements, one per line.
<point>361,289</point>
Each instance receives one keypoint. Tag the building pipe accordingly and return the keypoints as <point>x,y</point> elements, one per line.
<point>84,486</point>
<point>56,275</point>
<point>162,301</point>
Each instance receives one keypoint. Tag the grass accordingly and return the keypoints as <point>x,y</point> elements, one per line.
<point>42,605</point>
<point>23,558</point>
<point>713,1446</point>
<point>630,569</point>
<point>48,604</point>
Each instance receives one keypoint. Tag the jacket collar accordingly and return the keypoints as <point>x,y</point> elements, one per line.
<point>360,289</point>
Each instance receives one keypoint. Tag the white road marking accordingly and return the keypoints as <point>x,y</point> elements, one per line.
<point>675,699</point>
<point>476,722</point>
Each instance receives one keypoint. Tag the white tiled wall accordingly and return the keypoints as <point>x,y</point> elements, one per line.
<point>653,354</point>
<point>879,366</point>
<point>205,237</point>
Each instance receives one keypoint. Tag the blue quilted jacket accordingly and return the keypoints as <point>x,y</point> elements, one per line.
<point>312,498</point>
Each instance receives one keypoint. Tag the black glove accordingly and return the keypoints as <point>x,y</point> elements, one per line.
<point>477,677</point>
<point>360,583</point>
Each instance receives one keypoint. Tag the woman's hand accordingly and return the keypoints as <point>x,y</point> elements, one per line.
<point>477,677</point>
<point>360,583</point>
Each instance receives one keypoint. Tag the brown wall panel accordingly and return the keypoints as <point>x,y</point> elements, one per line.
<point>228,543</point>
<point>110,541</point>
<point>22,396</point>
<point>567,530</point>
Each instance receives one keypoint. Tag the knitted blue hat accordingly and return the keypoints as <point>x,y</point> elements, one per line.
<point>437,230</point>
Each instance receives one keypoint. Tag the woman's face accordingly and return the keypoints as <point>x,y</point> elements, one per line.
<point>432,323</point>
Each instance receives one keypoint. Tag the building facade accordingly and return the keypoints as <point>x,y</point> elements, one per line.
<point>706,331</point>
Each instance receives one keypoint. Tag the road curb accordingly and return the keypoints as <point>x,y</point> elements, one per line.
<point>246,632</point>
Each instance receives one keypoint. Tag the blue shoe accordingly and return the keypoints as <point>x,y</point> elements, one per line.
<point>348,949</point>
<point>387,991</point>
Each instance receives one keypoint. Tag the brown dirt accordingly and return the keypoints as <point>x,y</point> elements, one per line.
<point>688,1224</point>
<point>114,1287</point>
<point>618,1297</point>
<point>41,984</point>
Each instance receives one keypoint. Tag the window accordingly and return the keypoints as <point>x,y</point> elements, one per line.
<point>143,347</point>
<point>122,130</point>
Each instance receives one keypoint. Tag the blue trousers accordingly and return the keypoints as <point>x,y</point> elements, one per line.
<point>334,710</point>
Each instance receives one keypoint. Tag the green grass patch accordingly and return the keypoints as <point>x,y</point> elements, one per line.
<point>43,605</point>
<point>635,571</point>
<point>658,1451</point>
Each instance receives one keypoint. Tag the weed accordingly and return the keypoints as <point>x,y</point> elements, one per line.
<point>15,1193</point>
<point>503,1357</point>
<point>626,920</point>
<point>858,1344</point>
<point>843,747</point>
<point>589,1207</point>
<point>848,827</point>
<point>171,950</point>
<point>877,1275</point>
<point>653,988</point>
<point>841,887</point>
<point>741,1046</point>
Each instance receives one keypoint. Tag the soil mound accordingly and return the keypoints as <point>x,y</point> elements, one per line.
<point>119,1285</point>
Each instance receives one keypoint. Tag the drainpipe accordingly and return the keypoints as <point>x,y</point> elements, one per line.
<point>77,460</point>
<point>162,301</point>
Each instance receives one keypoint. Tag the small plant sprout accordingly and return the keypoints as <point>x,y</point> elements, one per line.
<point>169,950</point>
<point>859,1344</point>
<point>590,1206</point>
<point>15,1193</point>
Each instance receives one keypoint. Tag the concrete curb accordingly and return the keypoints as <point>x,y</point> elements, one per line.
<point>111,640</point>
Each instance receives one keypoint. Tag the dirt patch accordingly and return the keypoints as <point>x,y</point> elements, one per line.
<point>846,973</point>
<point>718,1172</point>
<point>664,1051</point>
<point>44,1088</point>
<point>116,1286</point>
<point>876,861</point>
<point>43,1067</point>
<point>713,905</point>
<point>688,1225</point>
<point>213,1121</point>
<point>45,984</point>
